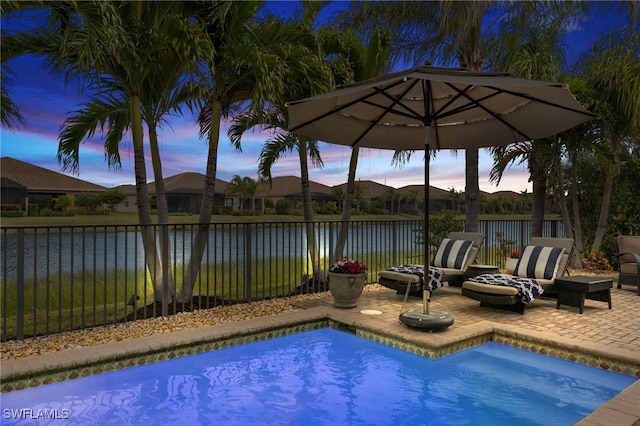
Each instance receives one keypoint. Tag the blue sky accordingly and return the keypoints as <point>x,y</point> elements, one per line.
<point>45,102</point>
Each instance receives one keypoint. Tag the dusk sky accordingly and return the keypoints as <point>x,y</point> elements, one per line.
<point>45,102</point>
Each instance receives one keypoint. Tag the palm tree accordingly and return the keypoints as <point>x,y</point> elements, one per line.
<point>411,197</point>
<point>611,72</point>
<point>368,61</point>
<point>450,32</point>
<point>245,188</point>
<point>120,51</point>
<point>457,197</point>
<point>338,193</point>
<point>10,116</point>
<point>232,79</point>
<point>532,52</point>
<point>254,63</point>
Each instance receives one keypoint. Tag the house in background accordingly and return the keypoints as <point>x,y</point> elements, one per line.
<point>24,183</point>
<point>413,198</point>
<point>290,188</point>
<point>184,193</point>
<point>407,199</point>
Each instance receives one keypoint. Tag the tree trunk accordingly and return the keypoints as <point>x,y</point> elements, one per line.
<point>539,179</point>
<point>564,208</point>
<point>471,57</point>
<point>142,199</point>
<point>307,207</point>
<point>566,219</point>
<point>343,234</point>
<point>161,205</point>
<point>577,223</point>
<point>604,213</point>
<point>472,191</point>
<point>202,235</point>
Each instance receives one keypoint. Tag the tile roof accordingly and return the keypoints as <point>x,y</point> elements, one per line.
<point>37,178</point>
<point>434,192</point>
<point>371,189</point>
<point>503,194</point>
<point>282,186</point>
<point>188,183</point>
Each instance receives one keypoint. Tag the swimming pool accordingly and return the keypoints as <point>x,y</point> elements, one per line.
<point>327,377</point>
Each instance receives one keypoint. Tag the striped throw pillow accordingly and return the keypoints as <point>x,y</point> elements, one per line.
<point>451,254</point>
<point>539,262</point>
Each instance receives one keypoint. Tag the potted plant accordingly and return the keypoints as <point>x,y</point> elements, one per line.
<point>346,281</point>
<point>512,261</point>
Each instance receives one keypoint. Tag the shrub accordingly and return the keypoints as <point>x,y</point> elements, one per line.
<point>11,213</point>
<point>47,212</point>
<point>222,210</point>
<point>62,203</point>
<point>91,202</point>
<point>111,198</point>
<point>283,207</point>
<point>33,209</point>
<point>332,207</point>
<point>596,261</point>
<point>10,207</point>
<point>10,210</point>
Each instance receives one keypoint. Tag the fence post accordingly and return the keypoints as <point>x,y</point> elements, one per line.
<point>20,284</point>
<point>247,262</point>
<point>165,269</point>
<point>487,244</point>
<point>394,247</point>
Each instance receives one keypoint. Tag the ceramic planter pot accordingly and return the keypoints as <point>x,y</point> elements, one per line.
<point>346,288</point>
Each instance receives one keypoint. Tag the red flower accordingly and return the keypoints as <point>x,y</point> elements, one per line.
<point>348,266</point>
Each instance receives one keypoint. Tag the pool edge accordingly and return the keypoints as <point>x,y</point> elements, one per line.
<point>48,368</point>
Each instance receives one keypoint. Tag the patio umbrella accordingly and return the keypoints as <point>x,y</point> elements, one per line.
<point>437,108</point>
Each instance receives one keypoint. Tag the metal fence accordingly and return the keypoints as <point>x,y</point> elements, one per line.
<point>61,278</point>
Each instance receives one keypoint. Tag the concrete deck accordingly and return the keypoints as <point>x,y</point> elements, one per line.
<point>601,337</point>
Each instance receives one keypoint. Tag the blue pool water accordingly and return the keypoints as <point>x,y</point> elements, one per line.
<point>326,377</point>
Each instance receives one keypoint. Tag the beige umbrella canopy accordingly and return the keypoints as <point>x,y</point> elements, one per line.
<point>437,108</point>
<point>464,109</point>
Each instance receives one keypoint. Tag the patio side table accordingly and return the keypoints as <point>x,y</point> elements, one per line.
<point>573,291</point>
<point>474,270</point>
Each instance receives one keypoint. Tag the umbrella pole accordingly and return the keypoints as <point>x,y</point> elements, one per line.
<point>414,318</point>
<point>426,294</point>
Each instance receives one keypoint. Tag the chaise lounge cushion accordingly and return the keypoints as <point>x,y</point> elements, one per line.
<point>496,289</point>
<point>510,297</point>
<point>451,253</point>
<point>399,281</point>
<point>539,262</point>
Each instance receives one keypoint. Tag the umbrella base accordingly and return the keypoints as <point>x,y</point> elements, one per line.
<point>432,321</point>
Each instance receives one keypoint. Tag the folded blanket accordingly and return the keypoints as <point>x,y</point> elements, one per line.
<point>528,287</point>
<point>435,276</point>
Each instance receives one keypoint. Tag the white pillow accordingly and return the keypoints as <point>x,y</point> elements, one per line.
<point>451,254</point>
<point>539,262</point>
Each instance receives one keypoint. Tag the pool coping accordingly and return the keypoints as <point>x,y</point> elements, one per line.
<point>52,367</point>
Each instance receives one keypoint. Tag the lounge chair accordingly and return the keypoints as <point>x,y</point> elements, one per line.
<point>538,262</point>
<point>453,257</point>
<point>628,247</point>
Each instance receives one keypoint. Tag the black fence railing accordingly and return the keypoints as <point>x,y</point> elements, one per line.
<point>61,278</point>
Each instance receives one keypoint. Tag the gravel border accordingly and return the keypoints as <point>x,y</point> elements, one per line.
<point>14,349</point>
